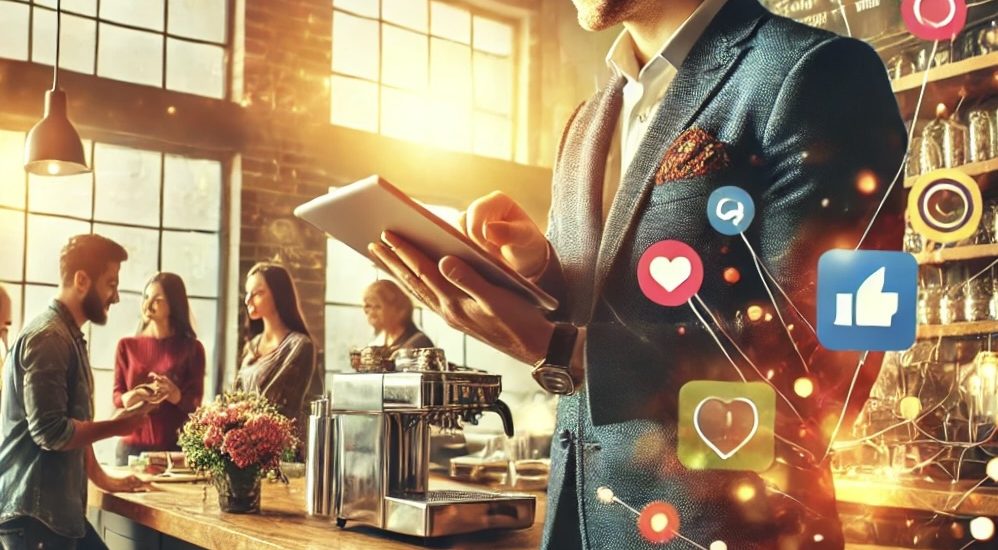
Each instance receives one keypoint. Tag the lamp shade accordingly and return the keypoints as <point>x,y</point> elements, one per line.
<point>53,147</point>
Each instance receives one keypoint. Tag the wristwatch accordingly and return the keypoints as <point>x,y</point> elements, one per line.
<point>552,372</point>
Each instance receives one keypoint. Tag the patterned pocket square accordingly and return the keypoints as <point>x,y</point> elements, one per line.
<point>694,153</point>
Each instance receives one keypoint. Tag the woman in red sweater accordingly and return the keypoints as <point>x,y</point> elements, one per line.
<point>164,361</point>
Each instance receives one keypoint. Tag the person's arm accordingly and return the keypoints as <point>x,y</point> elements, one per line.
<point>120,368</point>
<point>287,388</point>
<point>834,122</point>
<point>111,484</point>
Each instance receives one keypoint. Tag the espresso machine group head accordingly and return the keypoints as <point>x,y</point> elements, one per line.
<point>377,461</point>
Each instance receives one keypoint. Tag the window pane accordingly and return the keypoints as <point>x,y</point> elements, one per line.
<point>347,273</point>
<point>143,254</point>
<point>37,299</point>
<point>12,169</point>
<point>494,83</point>
<point>122,320</point>
<point>195,68</point>
<point>484,356</point>
<point>205,313</point>
<point>201,19</point>
<point>450,71</point>
<point>192,193</point>
<point>66,195</point>
<point>353,103</point>
<point>403,115</point>
<point>193,256</point>
<point>78,39</point>
<point>130,55</point>
<point>147,13</point>
<point>493,135</point>
<point>368,8</point>
<point>405,58</point>
<point>450,22</point>
<point>355,46</point>
<point>82,7</point>
<point>12,229</point>
<point>14,292</point>
<point>408,13</point>
<point>46,237</point>
<point>14,22</point>
<point>346,327</point>
<point>492,36</point>
<point>127,185</point>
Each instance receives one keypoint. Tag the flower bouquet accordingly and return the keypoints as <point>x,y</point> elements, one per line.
<point>237,439</point>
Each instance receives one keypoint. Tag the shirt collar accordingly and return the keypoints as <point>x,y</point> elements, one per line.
<point>67,317</point>
<point>621,56</point>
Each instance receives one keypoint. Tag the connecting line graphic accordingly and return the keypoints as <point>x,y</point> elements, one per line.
<point>845,19</point>
<point>746,357</point>
<point>803,318</point>
<point>845,405</point>
<point>776,307</point>
<point>911,135</point>
<point>716,339</point>
<point>606,496</point>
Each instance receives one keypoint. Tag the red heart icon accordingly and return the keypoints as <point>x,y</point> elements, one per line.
<point>726,425</point>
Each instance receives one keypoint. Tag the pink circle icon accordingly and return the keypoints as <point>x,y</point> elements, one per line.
<point>934,19</point>
<point>670,273</point>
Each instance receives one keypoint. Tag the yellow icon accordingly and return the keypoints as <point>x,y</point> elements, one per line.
<point>945,205</point>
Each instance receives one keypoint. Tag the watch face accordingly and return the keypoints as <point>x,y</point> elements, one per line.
<point>554,379</point>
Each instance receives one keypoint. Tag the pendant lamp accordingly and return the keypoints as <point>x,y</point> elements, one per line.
<point>53,146</point>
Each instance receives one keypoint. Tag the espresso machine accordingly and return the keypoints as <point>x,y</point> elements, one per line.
<point>369,448</point>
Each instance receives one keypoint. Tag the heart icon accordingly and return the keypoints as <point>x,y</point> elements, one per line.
<point>670,273</point>
<point>726,426</point>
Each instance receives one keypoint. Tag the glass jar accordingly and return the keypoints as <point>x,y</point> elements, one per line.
<point>977,298</point>
<point>929,306</point>
<point>980,127</point>
<point>951,306</point>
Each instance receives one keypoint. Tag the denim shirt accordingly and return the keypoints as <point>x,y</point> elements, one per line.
<point>47,382</point>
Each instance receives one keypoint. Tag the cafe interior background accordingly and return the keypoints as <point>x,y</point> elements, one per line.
<point>206,122</point>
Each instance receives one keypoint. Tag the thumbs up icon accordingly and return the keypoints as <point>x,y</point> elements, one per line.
<point>866,300</point>
<point>874,307</point>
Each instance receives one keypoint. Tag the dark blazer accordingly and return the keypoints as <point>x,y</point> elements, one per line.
<point>804,116</point>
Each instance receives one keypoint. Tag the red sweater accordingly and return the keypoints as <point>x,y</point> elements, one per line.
<point>182,360</point>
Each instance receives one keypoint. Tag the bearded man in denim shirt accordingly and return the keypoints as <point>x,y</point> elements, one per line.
<point>46,413</point>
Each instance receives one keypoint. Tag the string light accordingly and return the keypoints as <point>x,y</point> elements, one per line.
<point>982,528</point>
<point>803,387</point>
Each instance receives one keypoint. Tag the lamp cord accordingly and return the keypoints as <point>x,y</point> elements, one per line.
<point>58,42</point>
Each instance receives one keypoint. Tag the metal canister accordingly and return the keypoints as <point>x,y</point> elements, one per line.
<point>929,306</point>
<point>977,298</point>
<point>981,135</point>
<point>944,143</point>
<point>951,307</point>
<point>319,461</point>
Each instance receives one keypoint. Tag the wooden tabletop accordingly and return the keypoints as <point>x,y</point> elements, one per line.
<point>189,512</point>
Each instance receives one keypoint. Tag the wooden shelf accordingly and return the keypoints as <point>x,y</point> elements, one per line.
<point>957,253</point>
<point>971,169</point>
<point>975,328</point>
<point>917,495</point>
<point>973,77</point>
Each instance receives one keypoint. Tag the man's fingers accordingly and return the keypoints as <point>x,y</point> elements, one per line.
<point>468,280</point>
<point>404,275</point>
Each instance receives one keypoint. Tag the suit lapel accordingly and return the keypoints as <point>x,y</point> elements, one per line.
<point>703,72</point>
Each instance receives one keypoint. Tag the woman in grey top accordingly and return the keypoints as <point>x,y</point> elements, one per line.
<point>278,359</point>
<point>389,312</point>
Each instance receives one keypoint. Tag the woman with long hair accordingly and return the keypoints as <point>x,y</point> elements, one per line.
<point>278,360</point>
<point>164,361</point>
<point>389,312</point>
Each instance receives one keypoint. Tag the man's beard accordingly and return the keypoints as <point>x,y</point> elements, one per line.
<point>93,308</point>
<point>598,15</point>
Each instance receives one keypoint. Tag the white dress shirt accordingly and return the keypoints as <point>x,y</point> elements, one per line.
<point>645,88</point>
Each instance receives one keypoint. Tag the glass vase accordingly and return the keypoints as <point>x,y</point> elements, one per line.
<point>238,490</point>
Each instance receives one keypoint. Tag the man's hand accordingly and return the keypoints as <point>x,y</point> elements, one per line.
<point>466,301</point>
<point>129,419</point>
<point>498,224</point>
<point>127,484</point>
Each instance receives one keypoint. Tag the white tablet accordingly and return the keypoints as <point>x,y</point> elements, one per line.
<point>357,214</point>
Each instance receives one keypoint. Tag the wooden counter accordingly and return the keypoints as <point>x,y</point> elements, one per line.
<point>189,512</point>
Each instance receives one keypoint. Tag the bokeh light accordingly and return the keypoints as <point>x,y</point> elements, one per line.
<point>982,528</point>
<point>992,469</point>
<point>732,276</point>
<point>744,492</point>
<point>910,407</point>
<point>866,183</point>
<point>754,313</point>
<point>803,386</point>
<point>718,545</point>
<point>658,522</point>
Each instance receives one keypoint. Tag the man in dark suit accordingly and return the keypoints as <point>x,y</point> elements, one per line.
<point>801,119</point>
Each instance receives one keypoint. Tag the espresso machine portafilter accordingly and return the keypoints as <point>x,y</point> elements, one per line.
<point>377,461</point>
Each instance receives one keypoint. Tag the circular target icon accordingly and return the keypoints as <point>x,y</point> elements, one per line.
<point>945,205</point>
